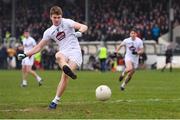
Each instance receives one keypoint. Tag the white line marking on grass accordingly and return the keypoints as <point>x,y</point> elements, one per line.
<point>17,110</point>
<point>108,101</point>
<point>87,102</point>
<point>29,109</point>
<point>126,100</point>
<point>145,100</point>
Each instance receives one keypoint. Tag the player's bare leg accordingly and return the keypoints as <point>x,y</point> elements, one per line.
<point>62,86</point>
<point>123,74</point>
<point>129,76</point>
<point>129,70</point>
<point>24,76</point>
<point>64,65</point>
<point>38,78</point>
<point>127,79</point>
<point>61,59</point>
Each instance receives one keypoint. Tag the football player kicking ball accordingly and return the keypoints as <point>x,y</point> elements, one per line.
<point>134,47</point>
<point>69,56</point>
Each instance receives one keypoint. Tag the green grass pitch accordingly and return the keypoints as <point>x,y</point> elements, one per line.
<point>150,94</point>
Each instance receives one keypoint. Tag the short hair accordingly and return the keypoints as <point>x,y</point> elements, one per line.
<point>26,30</point>
<point>55,10</point>
<point>134,29</point>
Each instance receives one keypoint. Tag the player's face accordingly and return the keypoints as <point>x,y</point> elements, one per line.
<point>133,34</point>
<point>56,19</point>
<point>26,34</point>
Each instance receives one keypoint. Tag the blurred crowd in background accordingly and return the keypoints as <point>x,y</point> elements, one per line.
<point>108,21</point>
<point>103,60</point>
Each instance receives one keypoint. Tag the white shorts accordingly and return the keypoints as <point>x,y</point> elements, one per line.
<point>28,61</point>
<point>74,55</point>
<point>135,62</point>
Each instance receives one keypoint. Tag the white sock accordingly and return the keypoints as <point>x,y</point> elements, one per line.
<point>123,73</point>
<point>24,82</point>
<point>38,78</point>
<point>56,100</point>
<point>123,84</point>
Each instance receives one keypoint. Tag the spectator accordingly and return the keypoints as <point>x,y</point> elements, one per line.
<point>112,19</point>
<point>142,60</point>
<point>37,60</point>
<point>169,55</point>
<point>102,55</point>
<point>3,57</point>
<point>11,57</point>
<point>82,52</point>
<point>155,32</point>
<point>19,50</point>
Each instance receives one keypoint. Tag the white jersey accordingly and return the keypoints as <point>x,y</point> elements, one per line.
<point>64,36</point>
<point>28,43</point>
<point>132,45</point>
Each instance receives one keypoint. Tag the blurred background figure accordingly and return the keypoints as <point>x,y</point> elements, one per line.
<point>27,62</point>
<point>3,57</point>
<point>37,60</point>
<point>82,65</point>
<point>142,60</point>
<point>169,55</point>
<point>93,63</point>
<point>102,55</point>
<point>155,32</point>
<point>11,58</point>
<point>19,49</point>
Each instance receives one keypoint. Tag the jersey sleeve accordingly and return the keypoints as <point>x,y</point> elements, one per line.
<point>34,42</point>
<point>70,22</point>
<point>141,44</point>
<point>123,42</point>
<point>46,35</point>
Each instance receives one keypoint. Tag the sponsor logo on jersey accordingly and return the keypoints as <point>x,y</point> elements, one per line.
<point>132,48</point>
<point>60,35</point>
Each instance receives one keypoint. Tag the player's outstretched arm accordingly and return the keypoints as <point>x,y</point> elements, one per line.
<point>119,47</point>
<point>141,51</point>
<point>37,48</point>
<point>33,51</point>
<point>81,29</point>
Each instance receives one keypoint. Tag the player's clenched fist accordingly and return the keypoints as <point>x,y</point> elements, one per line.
<point>134,52</point>
<point>78,34</point>
<point>21,56</point>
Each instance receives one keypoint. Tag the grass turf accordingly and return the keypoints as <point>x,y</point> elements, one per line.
<point>150,94</point>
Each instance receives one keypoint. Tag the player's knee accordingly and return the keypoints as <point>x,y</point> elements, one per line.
<point>129,69</point>
<point>58,56</point>
<point>28,71</point>
<point>23,70</point>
